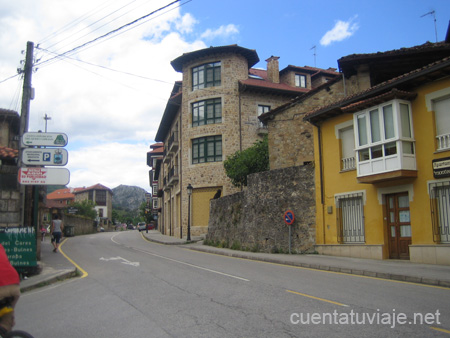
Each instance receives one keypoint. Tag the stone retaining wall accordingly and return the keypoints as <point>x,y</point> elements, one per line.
<point>254,219</point>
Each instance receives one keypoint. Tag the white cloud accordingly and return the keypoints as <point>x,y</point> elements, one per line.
<point>222,31</point>
<point>341,30</point>
<point>110,118</point>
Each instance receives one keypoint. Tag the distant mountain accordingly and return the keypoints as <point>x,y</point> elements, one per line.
<point>128,197</point>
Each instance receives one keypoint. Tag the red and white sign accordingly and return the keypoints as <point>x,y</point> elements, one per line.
<point>44,176</point>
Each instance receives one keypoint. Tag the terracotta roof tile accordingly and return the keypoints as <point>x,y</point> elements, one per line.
<point>9,153</point>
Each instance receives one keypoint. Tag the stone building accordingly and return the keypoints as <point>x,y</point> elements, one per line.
<point>9,154</point>
<point>212,113</point>
<point>102,198</point>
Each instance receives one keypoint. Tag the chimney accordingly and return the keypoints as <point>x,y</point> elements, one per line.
<point>273,73</point>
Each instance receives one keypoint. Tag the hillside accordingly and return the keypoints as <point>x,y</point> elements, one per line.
<point>128,197</point>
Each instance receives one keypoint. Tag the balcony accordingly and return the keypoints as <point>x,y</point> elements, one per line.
<point>173,176</point>
<point>173,143</point>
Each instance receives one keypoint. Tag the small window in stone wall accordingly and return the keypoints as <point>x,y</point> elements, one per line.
<point>8,182</point>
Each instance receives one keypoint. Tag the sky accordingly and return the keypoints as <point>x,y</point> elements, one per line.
<point>102,68</point>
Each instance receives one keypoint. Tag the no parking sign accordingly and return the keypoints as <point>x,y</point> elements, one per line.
<point>289,217</point>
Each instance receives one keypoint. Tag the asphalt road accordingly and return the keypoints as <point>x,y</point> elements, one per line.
<point>134,288</point>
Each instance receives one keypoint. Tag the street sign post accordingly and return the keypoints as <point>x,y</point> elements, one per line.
<point>45,156</point>
<point>44,139</point>
<point>44,176</point>
<point>289,219</point>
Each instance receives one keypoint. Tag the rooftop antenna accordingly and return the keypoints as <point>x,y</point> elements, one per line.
<point>315,50</point>
<point>433,13</point>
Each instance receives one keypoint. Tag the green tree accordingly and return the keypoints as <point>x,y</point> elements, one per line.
<point>249,161</point>
<point>85,208</point>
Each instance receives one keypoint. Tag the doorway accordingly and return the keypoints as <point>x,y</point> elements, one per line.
<point>399,225</point>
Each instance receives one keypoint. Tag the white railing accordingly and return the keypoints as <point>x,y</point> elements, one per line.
<point>348,163</point>
<point>443,141</point>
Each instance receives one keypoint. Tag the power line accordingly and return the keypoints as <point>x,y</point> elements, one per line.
<point>109,33</point>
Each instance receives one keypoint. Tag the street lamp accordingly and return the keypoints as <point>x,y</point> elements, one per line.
<point>189,192</point>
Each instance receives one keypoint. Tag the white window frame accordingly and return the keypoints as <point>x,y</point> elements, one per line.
<point>347,163</point>
<point>443,141</point>
<point>262,109</point>
<point>381,153</point>
<point>300,80</point>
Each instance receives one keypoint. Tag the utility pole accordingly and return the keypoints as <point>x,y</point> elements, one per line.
<point>27,96</point>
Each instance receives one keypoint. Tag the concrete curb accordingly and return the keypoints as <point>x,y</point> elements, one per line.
<point>62,275</point>
<point>366,273</point>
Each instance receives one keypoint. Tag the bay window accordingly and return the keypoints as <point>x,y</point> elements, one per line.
<point>384,138</point>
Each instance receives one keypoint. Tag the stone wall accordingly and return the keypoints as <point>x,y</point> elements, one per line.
<point>254,219</point>
<point>83,226</point>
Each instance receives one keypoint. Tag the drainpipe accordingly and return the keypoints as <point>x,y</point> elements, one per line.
<point>319,135</point>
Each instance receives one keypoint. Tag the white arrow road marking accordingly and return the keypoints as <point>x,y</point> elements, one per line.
<point>124,261</point>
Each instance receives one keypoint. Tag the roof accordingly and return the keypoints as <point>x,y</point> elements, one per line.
<point>311,70</point>
<point>97,186</point>
<point>268,86</point>
<point>249,54</point>
<point>8,153</point>
<point>397,86</point>
<point>387,65</point>
<point>172,107</point>
<point>66,193</point>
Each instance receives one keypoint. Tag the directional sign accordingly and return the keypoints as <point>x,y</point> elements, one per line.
<point>45,156</point>
<point>44,139</point>
<point>44,176</point>
<point>289,217</point>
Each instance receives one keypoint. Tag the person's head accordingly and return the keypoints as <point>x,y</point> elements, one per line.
<point>55,216</point>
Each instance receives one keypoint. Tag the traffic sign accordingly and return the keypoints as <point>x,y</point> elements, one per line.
<point>289,217</point>
<point>45,156</point>
<point>44,176</point>
<point>44,139</point>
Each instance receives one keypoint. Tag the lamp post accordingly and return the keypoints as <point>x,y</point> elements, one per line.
<point>189,192</point>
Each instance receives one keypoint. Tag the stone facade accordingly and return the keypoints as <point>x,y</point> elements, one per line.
<point>242,90</point>
<point>82,226</point>
<point>254,219</point>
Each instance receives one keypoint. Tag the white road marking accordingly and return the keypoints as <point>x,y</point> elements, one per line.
<point>181,262</point>
<point>124,261</point>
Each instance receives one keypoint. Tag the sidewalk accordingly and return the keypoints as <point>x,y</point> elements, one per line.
<point>56,267</point>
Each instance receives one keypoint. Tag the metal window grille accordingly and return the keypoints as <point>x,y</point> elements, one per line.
<point>350,218</point>
<point>440,211</point>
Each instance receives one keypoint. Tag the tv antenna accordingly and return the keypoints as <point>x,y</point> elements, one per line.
<point>433,13</point>
<point>315,53</point>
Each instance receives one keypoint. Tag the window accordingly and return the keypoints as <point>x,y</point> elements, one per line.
<point>207,75</point>
<point>100,197</point>
<point>261,110</point>
<point>441,109</point>
<point>384,138</point>
<point>350,218</point>
<point>206,112</point>
<point>155,203</point>
<point>300,81</point>
<point>207,149</point>
<point>440,211</point>
<point>347,138</point>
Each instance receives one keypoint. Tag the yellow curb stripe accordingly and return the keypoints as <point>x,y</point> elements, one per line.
<point>316,298</point>
<point>440,330</point>
<point>83,272</point>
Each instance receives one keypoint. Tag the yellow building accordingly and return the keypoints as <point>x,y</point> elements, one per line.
<point>382,157</point>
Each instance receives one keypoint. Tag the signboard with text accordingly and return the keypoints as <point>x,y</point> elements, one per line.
<point>44,139</point>
<point>45,156</point>
<point>20,245</point>
<point>44,176</point>
<point>441,167</point>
